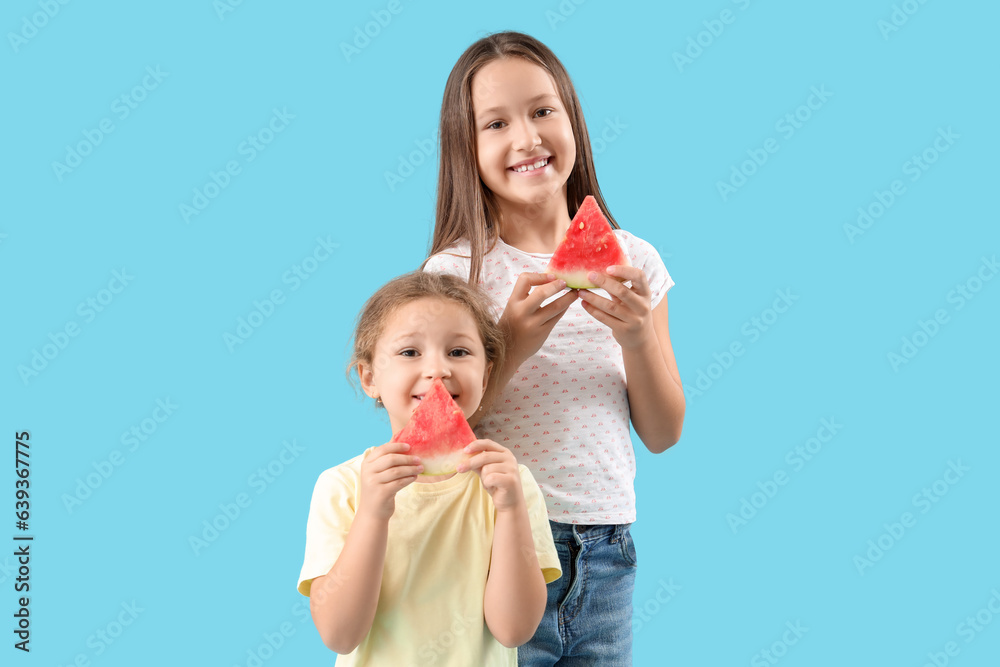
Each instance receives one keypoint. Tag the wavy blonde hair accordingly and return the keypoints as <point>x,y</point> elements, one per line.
<point>421,285</point>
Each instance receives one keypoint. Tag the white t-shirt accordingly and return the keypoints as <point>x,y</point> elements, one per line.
<point>437,558</point>
<point>565,412</point>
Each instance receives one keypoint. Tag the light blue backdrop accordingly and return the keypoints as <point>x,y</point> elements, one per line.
<point>819,178</point>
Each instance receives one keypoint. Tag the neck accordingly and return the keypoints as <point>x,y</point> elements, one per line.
<point>430,479</point>
<point>537,228</point>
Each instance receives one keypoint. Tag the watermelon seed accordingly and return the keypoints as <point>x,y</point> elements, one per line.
<point>581,224</point>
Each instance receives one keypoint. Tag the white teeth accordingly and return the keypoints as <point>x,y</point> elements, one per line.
<point>532,167</point>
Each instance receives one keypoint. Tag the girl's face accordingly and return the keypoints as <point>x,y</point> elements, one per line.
<point>524,139</point>
<point>422,340</point>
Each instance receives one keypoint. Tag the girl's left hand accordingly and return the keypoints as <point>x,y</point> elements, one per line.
<point>497,468</point>
<point>628,312</point>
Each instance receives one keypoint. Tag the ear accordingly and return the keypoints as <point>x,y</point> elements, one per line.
<point>486,375</point>
<point>367,377</point>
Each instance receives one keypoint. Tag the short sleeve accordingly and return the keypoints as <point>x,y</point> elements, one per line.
<point>541,531</point>
<point>331,512</point>
<point>644,256</point>
<point>454,261</point>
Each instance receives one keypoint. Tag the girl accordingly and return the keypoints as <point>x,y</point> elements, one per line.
<point>515,166</point>
<point>450,570</point>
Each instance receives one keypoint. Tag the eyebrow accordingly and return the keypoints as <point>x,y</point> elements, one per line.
<point>534,99</point>
<point>415,334</point>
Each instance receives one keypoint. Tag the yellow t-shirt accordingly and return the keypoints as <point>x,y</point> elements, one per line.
<point>430,608</point>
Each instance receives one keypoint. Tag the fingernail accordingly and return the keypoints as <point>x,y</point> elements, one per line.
<point>562,284</point>
<point>550,276</point>
<point>420,468</point>
<point>592,276</point>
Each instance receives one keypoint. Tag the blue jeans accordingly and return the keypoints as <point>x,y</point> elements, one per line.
<point>588,617</point>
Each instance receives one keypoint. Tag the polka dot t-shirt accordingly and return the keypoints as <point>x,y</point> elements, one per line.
<point>565,412</point>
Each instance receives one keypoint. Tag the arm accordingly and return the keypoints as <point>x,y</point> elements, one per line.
<point>343,601</point>
<point>515,594</point>
<point>526,325</point>
<point>655,393</point>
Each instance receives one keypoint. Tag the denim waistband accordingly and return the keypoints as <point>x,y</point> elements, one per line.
<point>580,532</point>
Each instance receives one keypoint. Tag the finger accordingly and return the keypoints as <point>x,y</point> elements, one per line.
<point>389,461</point>
<point>493,479</point>
<point>389,448</point>
<point>397,473</point>
<point>601,316</point>
<point>483,459</point>
<point>609,306</point>
<point>484,444</point>
<point>544,292</point>
<point>640,284</point>
<point>622,294</point>
<point>558,307</point>
<point>526,281</point>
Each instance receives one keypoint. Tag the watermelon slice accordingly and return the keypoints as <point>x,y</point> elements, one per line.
<point>437,432</point>
<point>590,245</point>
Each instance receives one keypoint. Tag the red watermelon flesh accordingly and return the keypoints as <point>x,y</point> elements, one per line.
<point>437,432</point>
<point>590,245</point>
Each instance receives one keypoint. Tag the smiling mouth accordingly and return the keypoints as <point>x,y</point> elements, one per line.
<point>537,164</point>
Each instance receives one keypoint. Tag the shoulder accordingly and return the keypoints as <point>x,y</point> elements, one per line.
<point>346,475</point>
<point>527,479</point>
<point>637,248</point>
<point>453,259</point>
<point>644,256</point>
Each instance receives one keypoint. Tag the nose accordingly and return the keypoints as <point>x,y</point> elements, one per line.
<point>436,366</point>
<point>525,136</point>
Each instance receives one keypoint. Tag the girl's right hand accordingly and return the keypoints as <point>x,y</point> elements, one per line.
<point>525,320</point>
<point>384,473</point>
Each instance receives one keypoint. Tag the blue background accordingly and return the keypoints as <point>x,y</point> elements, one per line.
<point>674,131</point>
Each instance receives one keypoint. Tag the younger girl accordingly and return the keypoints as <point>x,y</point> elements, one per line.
<point>515,166</point>
<point>450,570</point>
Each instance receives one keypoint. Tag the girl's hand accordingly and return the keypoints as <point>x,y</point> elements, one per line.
<point>524,320</point>
<point>385,472</point>
<point>628,312</point>
<point>497,468</point>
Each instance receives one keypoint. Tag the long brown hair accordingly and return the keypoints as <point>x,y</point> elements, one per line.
<point>466,208</point>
